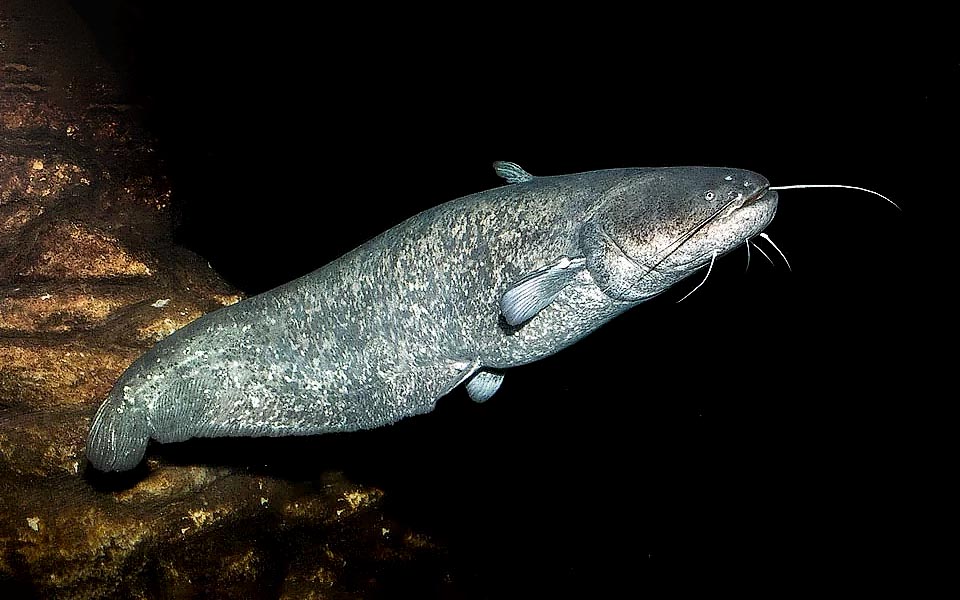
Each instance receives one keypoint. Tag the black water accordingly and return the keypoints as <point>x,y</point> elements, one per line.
<point>761,429</point>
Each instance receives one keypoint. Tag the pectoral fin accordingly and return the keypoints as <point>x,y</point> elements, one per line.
<point>484,384</point>
<point>537,290</point>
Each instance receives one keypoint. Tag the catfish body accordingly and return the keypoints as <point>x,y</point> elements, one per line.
<point>455,294</point>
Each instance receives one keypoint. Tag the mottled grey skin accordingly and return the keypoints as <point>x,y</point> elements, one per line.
<point>384,331</point>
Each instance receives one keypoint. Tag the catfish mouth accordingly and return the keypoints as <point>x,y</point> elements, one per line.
<point>761,194</point>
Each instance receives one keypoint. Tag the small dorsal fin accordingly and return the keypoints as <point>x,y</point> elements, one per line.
<point>512,172</point>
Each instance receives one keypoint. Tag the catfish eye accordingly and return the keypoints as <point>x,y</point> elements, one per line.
<point>710,195</point>
<point>734,195</point>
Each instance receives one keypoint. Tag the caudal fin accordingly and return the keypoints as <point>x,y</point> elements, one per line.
<point>118,436</point>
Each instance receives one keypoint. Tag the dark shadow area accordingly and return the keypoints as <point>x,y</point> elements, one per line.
<point>745,429</point>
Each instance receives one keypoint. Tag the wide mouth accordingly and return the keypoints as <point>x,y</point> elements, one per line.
<point>759,195</point>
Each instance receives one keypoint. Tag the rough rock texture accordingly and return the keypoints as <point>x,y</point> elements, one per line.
<point>89,279</point>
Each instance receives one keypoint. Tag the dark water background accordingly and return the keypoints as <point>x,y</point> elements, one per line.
<point>769,426</point>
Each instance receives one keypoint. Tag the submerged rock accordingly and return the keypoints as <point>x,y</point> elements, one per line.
<point>89,279</point>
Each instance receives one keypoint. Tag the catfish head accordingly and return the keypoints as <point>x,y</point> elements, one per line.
<point>661,225</point>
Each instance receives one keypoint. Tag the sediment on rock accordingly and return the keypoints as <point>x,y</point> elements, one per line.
<point>89,279</point>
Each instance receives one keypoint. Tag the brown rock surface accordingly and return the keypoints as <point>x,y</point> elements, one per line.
<point>89,279</point>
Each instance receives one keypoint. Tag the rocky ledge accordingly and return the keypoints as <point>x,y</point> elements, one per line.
<point>90,278</point>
